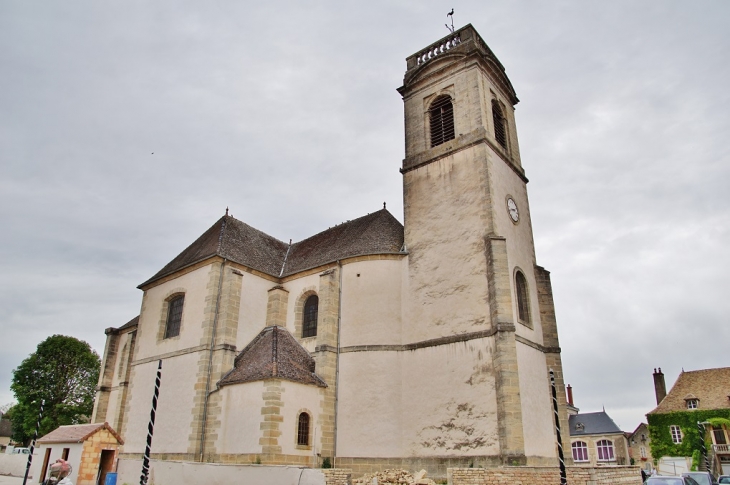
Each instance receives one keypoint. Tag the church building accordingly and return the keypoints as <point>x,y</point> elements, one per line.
<point>372,344</point>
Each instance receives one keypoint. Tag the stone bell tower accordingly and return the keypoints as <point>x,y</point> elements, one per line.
<point>472,275</point>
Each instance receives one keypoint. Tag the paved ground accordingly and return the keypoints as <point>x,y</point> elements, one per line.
<point>8,480</point>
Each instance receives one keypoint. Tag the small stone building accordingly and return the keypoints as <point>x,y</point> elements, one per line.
<point>640,447</point>
<point>596,440</point>
<point>91,449</point>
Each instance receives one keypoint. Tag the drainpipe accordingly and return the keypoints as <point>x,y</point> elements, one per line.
<point>337,363</point>
<point>210,361</point>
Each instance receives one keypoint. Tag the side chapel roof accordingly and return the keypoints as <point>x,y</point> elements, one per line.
<point>592,423</point>
<point>236,241</point>
<point>77,433</point>
<point>711,387</point>
<point>273,353</point>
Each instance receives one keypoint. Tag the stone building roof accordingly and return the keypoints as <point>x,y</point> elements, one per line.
<point>77,433</point>
<point>229,238</point>
<point>711,387</point>
<point>273,353</point>
<point>592,423</point>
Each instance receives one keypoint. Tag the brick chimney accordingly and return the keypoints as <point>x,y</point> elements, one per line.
<point>660,388</point>
<point>569,390</point>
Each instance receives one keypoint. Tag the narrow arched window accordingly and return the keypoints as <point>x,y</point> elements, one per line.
<point>523,298</point>
<point>303,430</point>
<point>441,120</point>
<point>309,320</point>
<point>500,124</point>
<point>174,316</point>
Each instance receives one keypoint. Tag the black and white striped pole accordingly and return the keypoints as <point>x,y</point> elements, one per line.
<point>151,428</point>
<point>561,457</point>
<point>703,448</point>
<point>32,443</point>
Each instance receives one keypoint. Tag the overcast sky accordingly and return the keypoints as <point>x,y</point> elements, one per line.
<point>126,128</point>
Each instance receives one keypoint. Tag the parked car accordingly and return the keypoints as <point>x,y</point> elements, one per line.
<point>703,478</point>
<point>667,480</point>
<point>21,451</point>
<point>723,479</point>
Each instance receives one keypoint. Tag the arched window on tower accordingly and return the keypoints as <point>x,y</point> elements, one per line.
<point>523,298</point>
<point>303,430</point>
<point>500,124</point>
<point>441,120</point>
<point>309,320</point>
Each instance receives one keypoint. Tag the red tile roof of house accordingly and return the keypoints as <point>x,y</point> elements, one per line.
<point>711,387</point>
<point>77,433</point>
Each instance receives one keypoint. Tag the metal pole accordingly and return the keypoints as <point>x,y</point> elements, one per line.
<point>32,443</point>
<point>561,457</point>
<point>151,428</point>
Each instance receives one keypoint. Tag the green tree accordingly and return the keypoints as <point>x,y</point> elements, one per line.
<point>63,372</point>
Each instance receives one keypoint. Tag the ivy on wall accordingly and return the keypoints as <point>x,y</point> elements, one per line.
<point>661,438</point>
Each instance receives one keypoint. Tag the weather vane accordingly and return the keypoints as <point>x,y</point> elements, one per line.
<point>450,14</point>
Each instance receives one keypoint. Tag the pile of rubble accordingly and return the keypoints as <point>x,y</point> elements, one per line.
<point>394,477</point>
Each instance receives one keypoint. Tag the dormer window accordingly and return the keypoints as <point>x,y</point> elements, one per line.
<point>693,403</point>
<point>579,427</point>
<point>441,120</point>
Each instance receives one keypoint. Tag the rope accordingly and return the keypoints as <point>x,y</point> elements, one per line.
<point>151,428</point>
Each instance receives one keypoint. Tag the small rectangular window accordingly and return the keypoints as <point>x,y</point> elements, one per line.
<point>676,434</point>
<point>64,454</point>
<point>174,316</point>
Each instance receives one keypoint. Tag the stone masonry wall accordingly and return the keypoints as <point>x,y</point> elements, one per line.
<point>613,475</point>
<point>337,476</point>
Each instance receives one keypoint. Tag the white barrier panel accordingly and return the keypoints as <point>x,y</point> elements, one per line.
<point>186,473</point>
<point>14,464</point>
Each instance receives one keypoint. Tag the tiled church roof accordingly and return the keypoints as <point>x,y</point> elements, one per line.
<point>236,241</point>
<point>710,386</point>
<point>273,353</point>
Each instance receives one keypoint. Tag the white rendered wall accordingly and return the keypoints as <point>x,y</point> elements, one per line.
<point>252,313</point>
<point>537,412</point>
<point>370,412</point>
<point>74,459</point>
<point>449,401</point>
<point>446,213</point>
<point>297,398</point>
<point>241,417</point>
<point>194,285</point>
<point>371,302</point>
<point>174,406</point>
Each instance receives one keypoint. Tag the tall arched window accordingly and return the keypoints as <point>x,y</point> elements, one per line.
<point>441,120</point>
<point>523,298</point>
<point>580,451</point>
<point>500,124</point>
<point>303,430</point>
<point>605,450</point>
<point>309,319</point>
<point>174,316</point>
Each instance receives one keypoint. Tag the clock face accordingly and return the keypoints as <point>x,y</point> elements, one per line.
<point>514,214</point>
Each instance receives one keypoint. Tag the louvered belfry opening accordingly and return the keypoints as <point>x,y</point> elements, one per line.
<point>441,116</point>
<point>303,430</point>
<point>500,129</point>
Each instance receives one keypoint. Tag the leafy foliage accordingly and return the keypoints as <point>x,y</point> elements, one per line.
<point>661,438</point>
<point>63,371</point>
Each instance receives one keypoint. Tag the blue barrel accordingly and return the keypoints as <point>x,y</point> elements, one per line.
<point>111,479</point>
